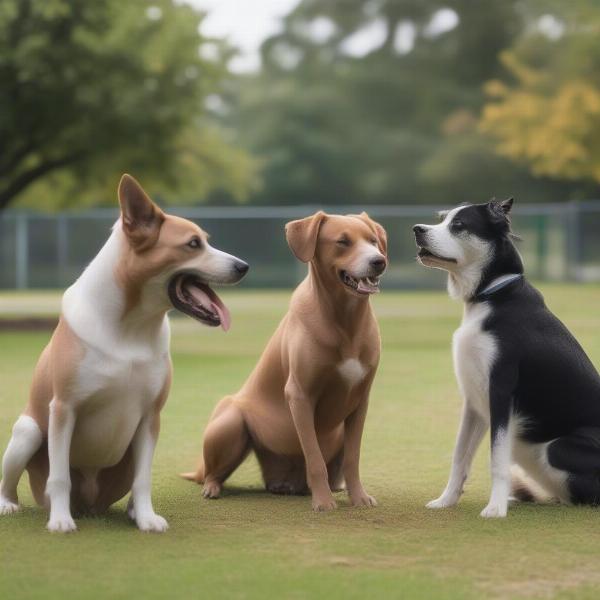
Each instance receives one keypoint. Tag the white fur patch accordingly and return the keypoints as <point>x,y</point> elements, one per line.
<point>474,351</point>
<point>352,370</point>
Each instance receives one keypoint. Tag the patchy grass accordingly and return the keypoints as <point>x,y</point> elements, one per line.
<point>253,545</point>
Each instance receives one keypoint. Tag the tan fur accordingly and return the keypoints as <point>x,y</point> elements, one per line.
<point>157,243</point>
<point>297,411</point>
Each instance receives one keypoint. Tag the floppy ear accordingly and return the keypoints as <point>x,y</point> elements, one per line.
<point>302,236</point>
<point>141,218</point>
<point>379,231</point>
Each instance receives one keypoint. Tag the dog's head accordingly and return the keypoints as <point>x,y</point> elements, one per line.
<point>349,251</point>
<point>466,236</point>
<point>173,254</point>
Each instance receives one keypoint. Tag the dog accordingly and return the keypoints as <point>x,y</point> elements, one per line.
<point>520,371</point>
<point>88,433</point>
<point>303,408</point>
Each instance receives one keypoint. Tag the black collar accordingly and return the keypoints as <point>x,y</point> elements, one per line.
<point>498,284</point>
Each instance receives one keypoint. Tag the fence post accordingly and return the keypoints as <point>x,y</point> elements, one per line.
<point>22,252</point>
<point>62,249</point>
<point>573,244</point>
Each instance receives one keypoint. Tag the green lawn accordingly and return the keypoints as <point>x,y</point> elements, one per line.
<point>252,545</point>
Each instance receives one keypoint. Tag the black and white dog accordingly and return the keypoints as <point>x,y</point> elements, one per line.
<point>519,369</point>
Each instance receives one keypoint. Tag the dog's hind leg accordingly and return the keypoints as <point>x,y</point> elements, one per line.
<point>24,443</point>
<point>578,456</point>
<point>335,472</point>
<point>226,445</point>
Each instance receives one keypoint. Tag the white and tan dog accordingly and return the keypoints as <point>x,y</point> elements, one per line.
<point>88,433</point>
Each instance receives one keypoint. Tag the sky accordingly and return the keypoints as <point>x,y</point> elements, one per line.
<point>245,23</point>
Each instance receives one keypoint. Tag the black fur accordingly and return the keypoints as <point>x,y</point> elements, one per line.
<point>541,372</point>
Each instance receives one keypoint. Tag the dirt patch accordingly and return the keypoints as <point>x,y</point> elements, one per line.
<point>28,324</point>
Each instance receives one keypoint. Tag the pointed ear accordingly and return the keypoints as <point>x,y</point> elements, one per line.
<point>302,235</point>
<point>378,229</point>
<point>506,205</point>
<point>141,218</point>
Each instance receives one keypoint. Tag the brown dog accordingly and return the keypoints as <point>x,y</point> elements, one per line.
<point>303,408</point>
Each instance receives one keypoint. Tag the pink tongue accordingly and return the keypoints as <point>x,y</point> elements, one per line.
<point>214,305</point>
<point>363,286</point>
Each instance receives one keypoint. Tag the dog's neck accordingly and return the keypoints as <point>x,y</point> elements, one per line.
<point>98,305</point>
<point>503,260</point>
<point>336,304</point>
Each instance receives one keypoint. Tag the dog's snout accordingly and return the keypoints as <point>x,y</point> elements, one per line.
<point>241,267</point>
<point>378,264</point>
<point>419,229</point>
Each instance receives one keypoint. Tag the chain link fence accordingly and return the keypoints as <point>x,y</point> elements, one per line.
<point>561,242</point>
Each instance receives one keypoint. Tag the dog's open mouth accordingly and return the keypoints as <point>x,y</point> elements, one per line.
<point>194,297</point>
<point>425,253</point>
<point>366,285</point>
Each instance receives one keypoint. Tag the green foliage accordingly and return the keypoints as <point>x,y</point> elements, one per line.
<point>91,89</point>
<point>396,124</point>
<point>546,113</point>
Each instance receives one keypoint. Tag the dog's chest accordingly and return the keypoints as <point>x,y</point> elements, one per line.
<point>474,352</point>
<point>113,396</point>
<point>352,371</point>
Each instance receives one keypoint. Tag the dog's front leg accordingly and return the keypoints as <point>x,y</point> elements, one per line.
<point>303,415</point>
<point>58,487</point>
<point>140,507</point>
<point>472,429</point>
<point>502,443</point>
<point>353,430</point>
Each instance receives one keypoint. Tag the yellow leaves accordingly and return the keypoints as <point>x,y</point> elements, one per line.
<point>553,126</point>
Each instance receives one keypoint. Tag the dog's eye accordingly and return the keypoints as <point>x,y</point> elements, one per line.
<point>195,243</point>
<point>373,241</point>
<point>457,224</point>
<point>344,242</point>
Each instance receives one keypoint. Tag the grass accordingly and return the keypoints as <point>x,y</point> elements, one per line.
<point>253,545</point>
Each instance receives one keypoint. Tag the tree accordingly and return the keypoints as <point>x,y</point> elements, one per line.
<point>91,89</point>
<point>379,102</point>
<point>546,113</point>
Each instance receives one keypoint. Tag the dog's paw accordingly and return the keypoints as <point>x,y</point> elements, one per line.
<point>7,507</point>
<point>442,502</point>
<point>131,510</point>
<point>324,504</point>
<point>152,522</point>
<point>493,511</point>
<point>363,499</point>
<point>211,489</point>
<point>61,524</point>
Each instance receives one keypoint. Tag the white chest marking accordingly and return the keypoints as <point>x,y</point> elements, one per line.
<point>352,370</point>
<point>474,351</point>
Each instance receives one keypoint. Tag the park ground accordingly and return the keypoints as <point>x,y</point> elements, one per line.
<point>252,545</point>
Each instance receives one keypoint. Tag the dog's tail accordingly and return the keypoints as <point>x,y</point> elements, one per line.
<point>196,476</point>
<point>525,489</point>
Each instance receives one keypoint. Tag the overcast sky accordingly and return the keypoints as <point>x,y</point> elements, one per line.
<point>245,23</point>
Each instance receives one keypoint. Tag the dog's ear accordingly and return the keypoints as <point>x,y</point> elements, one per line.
<point>506,205</point>
<point>500,209</point>
<point>302,235</point>
<point>378,229</point>
<point>141,218</point>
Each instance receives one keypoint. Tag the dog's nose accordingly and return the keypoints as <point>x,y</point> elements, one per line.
<point>378,264</point>
<point>241,267</point>
<point>419,229</point>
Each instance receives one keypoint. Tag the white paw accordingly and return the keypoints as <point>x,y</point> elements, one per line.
<point>62,524</point>
<point>442,502</point>
<point>151,522</point>
<point>7,507</point>
<point>493,511</point>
